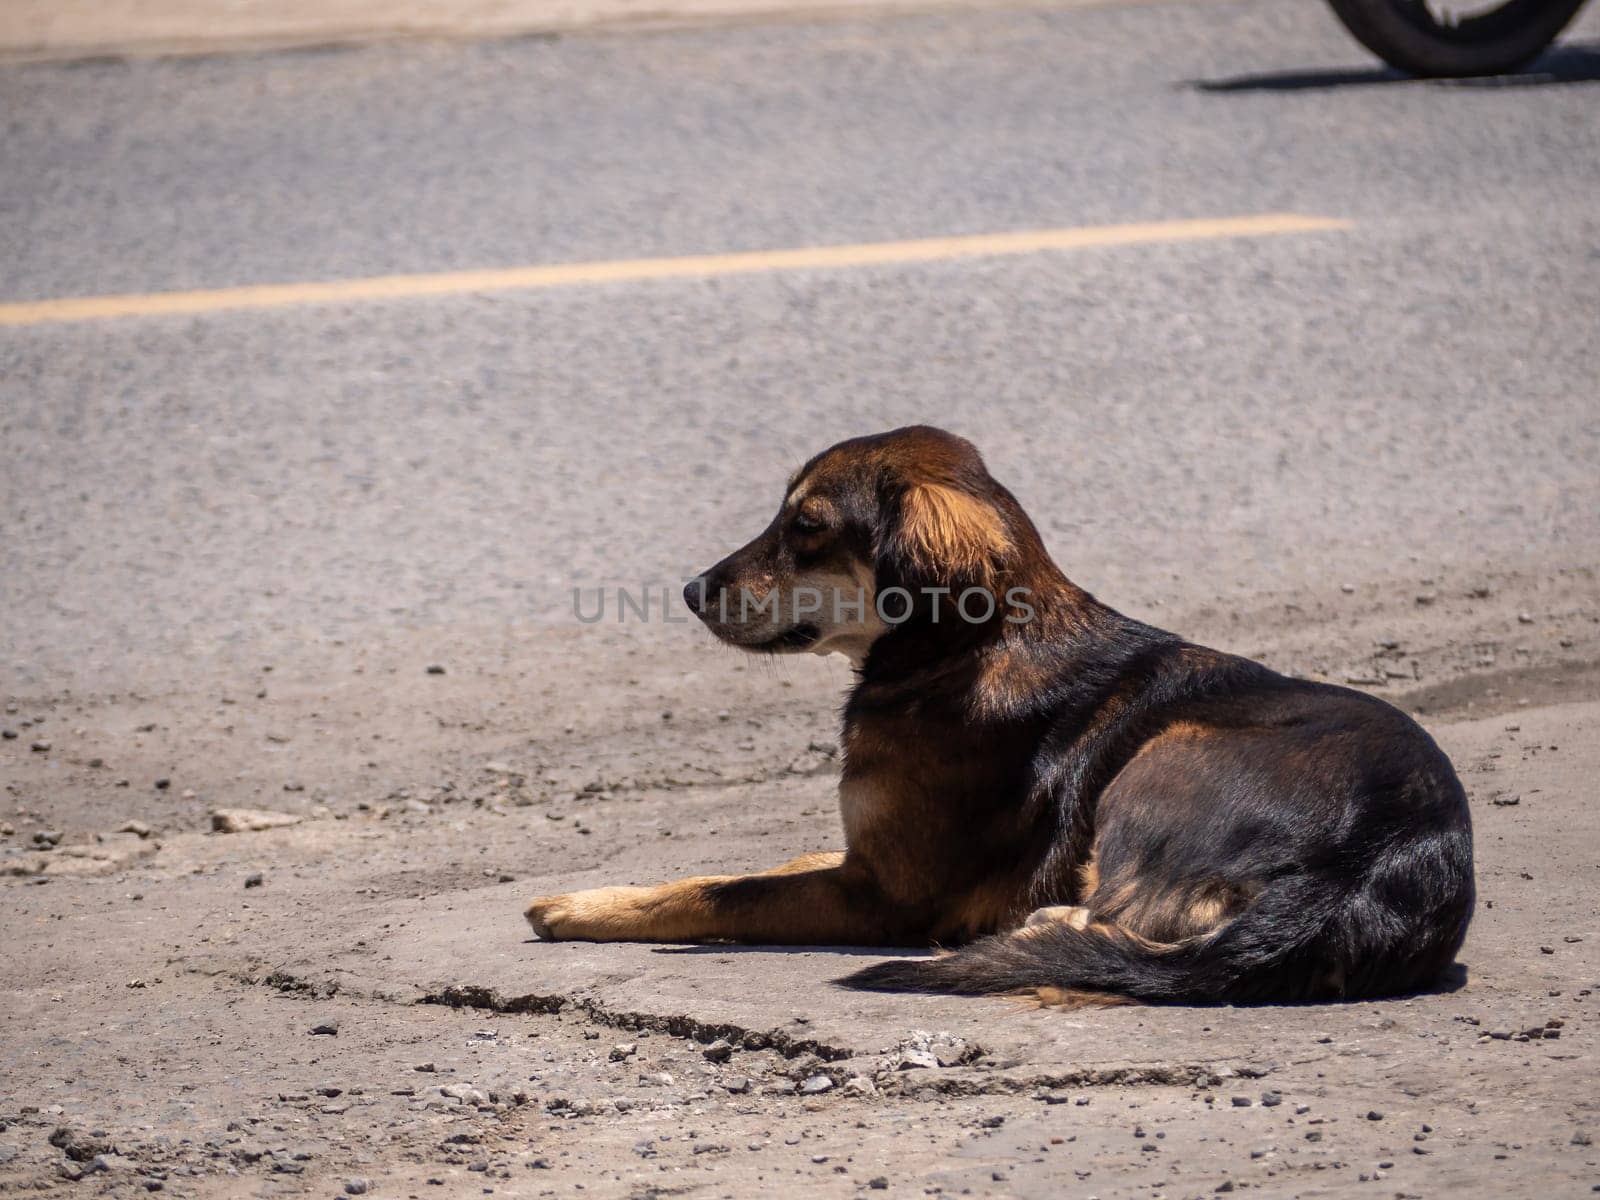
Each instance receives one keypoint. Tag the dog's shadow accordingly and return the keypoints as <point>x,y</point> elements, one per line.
<point>838,951</point>
<point>1453,980</point>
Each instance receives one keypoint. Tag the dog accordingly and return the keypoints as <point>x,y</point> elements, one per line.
<point>1085,806</point>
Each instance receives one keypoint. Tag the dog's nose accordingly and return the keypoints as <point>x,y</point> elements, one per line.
<point>694,594</point>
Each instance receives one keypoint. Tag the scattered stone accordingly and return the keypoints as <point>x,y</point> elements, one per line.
<point>40,746</point>
<point>47,837</point>
<point>1240,1101</point>
<point>816,1084</point>
<point>878,1183</point>
<point>163,784</point>
<point>356,1186</point>
<point>623,1050</point>
<point>86,858</point>
<point>254,880</point>
<point>1505,800</point>
<point>915,1060</point>
<point>136,827</point>
<point>435,669</point>
<point>78,1145</point>
<point>1374,1115</point>
<point>1547,949</point>
<point>718,1051</point>
<point>1271,1098</point>
<point>328,1028</point>
<point>249,820</point>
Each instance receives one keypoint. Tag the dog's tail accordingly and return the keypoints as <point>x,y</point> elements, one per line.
<point>1302,939</point>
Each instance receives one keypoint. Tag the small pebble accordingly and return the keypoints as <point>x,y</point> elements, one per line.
<point>329,1028</point>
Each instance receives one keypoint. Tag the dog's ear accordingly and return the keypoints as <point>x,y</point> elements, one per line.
<point>949,536</point>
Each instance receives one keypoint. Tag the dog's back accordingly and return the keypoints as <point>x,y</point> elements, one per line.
<point>1250,837</point>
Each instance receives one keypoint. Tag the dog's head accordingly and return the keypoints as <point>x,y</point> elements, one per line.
<point>873,534</point>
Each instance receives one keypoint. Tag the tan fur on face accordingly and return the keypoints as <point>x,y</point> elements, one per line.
<point>853,599</point>
<point>950,533</point>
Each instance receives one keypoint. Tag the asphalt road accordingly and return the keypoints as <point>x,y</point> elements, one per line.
<point>1188,421</point>
<point>234,541</point>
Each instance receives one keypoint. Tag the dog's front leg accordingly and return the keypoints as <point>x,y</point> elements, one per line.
<point>816,900</point>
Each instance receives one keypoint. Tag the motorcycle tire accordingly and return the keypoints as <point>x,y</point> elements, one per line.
<point>1408,36</point>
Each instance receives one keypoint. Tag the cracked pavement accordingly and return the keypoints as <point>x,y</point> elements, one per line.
<point>164,1006</point>
<point>316,563</point>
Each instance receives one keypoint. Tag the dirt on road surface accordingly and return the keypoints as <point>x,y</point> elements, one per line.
<point>297,717</point>
<point>60,30</point>
<point>209,1003</point>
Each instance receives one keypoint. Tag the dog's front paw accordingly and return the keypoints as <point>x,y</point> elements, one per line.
<point>597,915</point>
<point>547,915</point>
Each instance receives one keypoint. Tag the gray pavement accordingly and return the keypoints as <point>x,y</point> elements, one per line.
<point>1418,390</point>
<point>232,544</point>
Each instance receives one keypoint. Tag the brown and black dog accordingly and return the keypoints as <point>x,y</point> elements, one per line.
<point>1088,804</point>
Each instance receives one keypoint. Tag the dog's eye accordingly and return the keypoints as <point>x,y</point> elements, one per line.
<point>806,524</point>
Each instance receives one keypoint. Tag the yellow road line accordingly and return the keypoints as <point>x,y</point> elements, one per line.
<point>698,266</point>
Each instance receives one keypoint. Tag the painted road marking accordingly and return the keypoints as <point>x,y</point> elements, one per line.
<point>696,266</point>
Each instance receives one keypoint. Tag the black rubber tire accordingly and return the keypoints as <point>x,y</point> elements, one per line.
<point>1405,35</point>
